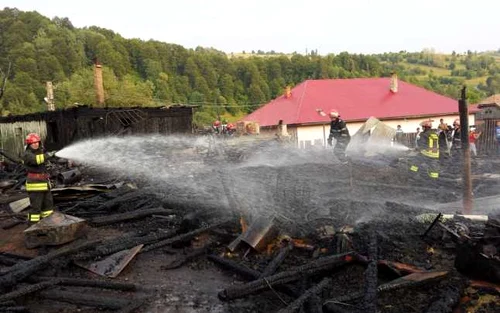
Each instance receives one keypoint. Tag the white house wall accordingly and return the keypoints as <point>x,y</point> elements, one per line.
<point>316,135</point>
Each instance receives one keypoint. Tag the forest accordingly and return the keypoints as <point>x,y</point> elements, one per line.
<point>152,73</point>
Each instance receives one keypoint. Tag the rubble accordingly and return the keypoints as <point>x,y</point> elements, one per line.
<point>359,249</point>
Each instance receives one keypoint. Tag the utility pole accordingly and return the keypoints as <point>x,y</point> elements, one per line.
<point>50,96</point>
<point>464,132</point>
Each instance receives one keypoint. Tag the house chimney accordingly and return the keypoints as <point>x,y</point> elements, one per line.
<point>98,85</point>
<point>394,82</point>
<point>288,92</point>
<point>50,96</point>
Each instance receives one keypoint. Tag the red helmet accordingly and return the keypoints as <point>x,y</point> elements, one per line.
<point>334,114</point>
<point>230,126</point>
<point>32,138</point>
<point>217,123</point>
<point>426,124</point>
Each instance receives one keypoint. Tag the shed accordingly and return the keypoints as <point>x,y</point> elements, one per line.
<point>62,127</point>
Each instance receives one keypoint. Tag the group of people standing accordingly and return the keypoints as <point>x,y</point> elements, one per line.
<point>442,146</point>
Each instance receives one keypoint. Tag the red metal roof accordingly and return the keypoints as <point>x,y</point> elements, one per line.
<point>355,99</point>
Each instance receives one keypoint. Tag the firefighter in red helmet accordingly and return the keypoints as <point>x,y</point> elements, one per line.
<point>37,179</point>
<point>428,148</point>
<point>339,131</point>
<point>216,127</point>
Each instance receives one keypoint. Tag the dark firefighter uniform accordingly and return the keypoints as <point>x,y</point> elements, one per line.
<point>428,146</point>
<point>339,131</point>
<point>38,184</point>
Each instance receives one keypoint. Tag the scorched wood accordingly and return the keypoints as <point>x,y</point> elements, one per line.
<point>312,268</point>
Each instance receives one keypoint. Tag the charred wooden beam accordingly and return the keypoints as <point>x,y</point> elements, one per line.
<point>22,270</point>
<point>14,309</point>
<point>122,217</point>
<point>121,199</point>
<point>276,262</point>
<point>437,219</point>
<point>183,237</point>
<point>119,244</point>
<point>249,274</point>
<point>322,264</point>
<point>86,299</point>
<point>239,269</point>
<point>27,290</point>
<point>67,281</point>
<point>298,303</point>
<point>408,281</point>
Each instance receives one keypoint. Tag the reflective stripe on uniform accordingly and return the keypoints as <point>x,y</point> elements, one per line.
<point>34,217</point>
<point>414,168</point>
<point>432,150</point>
<point>46,213</point>
<point>40,158</point>
<point>37,186</point>
<point>433,174</point>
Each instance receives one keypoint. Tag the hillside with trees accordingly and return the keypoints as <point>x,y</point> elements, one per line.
<point>148,73</point>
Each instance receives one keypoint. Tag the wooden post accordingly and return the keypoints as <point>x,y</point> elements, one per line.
<point>464,130</point>
<point>98,84</point>
<point>50,96</point>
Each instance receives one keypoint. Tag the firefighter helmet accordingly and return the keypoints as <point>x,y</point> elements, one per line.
<point>230,126</point>
<point>32,138</point>
<point>334,114</point>
<point>427,124</point>
<point>217,123</point>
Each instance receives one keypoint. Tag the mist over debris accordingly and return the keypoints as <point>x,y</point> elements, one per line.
<point>252,177</point>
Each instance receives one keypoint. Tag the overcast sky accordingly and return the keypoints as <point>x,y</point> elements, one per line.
<point>331,26</point>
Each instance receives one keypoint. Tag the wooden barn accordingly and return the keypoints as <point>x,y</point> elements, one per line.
<point>62,127</point>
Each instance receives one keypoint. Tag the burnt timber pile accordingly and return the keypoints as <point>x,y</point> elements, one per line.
<point>311,236</point>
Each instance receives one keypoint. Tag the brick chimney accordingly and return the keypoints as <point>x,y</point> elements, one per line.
<point>394,83</point>
<point>98,83</point>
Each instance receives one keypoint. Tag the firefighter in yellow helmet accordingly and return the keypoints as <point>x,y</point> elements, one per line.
<point>428,148</point>
<point>37,179</point>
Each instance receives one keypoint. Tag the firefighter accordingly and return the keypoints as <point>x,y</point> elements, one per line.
<point>428,148</point>
<point>37,179</point>
<point>339,131</point>
<point>230,129</point>
<point>216,127</point>
<point>456,135</point>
